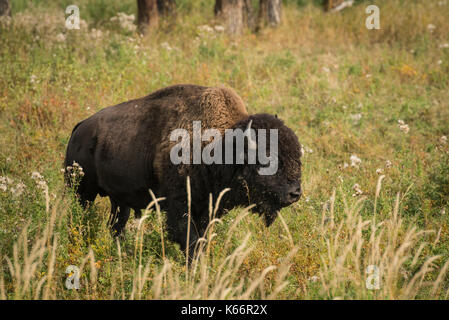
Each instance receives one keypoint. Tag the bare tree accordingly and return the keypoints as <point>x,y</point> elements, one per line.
<point>149,12</point>
<point>5,8</point>
<point>270,12</point>
<point>236,14</point>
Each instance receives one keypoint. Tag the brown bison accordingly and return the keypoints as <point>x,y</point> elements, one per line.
<point>127,149</point>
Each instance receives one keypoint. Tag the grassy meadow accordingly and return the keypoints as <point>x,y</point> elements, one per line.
<point>371,108</point>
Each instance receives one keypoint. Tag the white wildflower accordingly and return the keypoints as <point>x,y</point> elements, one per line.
<point>125,21</point>
<point>313,278</point>
<point>60,37</point>
<point>308,150</point>
<point>18,190</point>
<point>36,176</point>
<point>388,164</point>
<point>357,190</point>
<point>219,28</point>
<point>379,171</point>
<point>3,187</point>
<point>96,34</point>
<point>444,46</point>
<point>403,126</point>
<point>83,24</point>
<point>356,117</point>
<point>431,27</point>
<point>206,28</point>
<point>355,161</point>
<point>166,46</point>
<point>443,139</point>
<point>33,78</point>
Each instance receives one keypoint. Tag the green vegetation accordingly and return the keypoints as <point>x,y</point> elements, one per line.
<point>381,95</point>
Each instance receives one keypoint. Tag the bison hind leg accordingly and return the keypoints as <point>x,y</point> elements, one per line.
<point>86,196</point>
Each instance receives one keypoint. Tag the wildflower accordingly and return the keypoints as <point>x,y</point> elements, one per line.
<point>33,78</point>
<point>18,190</point>
<point>313,278</point>
<point>325,69</point>
<point>403,126</point>
<point>83,24</point>
<point>125,21</point>
<point>166,46</point>
<point>355,161</point>
<point>443,139</point>
<point>206,28</point>
<point>308,150</point>
<point>356,117</point>
<point>96,34</point>
<point>219,28</point>
<point>388,164</point>
<point>443,211</point>
<point>444,46</point>
<point>431,27</point>
<point>60,37</point>
<point>357,190</point>
<point>379,171</point>
<point>39,179</point>
<point>36,176</point>
<point>3,187</point>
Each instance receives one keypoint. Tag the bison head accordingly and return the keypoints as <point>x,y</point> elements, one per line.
<point>275,184</point>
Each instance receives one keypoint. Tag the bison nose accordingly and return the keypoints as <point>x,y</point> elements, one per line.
<point>293,194</point>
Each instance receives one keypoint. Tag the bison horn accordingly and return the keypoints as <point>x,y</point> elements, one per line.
<point>252,144</point>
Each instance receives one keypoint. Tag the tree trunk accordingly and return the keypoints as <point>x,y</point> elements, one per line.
<point>5,8</point>
<point>166,7</point>
<point>270,12</point>
<point>147,14</point>
<point>234,13</point>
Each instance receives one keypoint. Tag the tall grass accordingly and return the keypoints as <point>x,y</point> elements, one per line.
<point>352,245</point>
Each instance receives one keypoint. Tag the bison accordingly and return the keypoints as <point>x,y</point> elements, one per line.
<point>125,150</point>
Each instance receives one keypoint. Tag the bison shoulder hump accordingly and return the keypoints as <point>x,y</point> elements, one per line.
<point>221,107</point>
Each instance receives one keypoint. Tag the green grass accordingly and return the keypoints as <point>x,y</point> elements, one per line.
<point>317,72</point>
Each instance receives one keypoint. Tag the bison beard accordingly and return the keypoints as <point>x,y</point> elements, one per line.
<point>124,151</point>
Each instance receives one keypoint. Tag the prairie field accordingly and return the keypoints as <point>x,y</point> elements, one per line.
<point>370,108</point>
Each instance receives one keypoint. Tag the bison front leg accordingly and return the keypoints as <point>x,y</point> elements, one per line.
<point>177,227</point>
<point>118,218</point>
